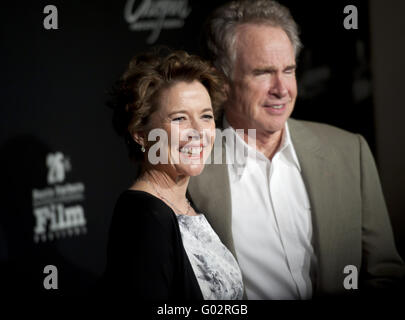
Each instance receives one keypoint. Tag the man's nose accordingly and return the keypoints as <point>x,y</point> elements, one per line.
<point>278,86</point>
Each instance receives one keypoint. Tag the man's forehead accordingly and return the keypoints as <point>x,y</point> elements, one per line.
<point>261,39</point>
<point>271,55</point>
<point>253,31</point>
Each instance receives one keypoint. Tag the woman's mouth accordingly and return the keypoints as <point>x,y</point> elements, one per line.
<point>193,151</point>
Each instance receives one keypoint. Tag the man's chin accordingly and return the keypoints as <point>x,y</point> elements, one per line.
<point>270,127</point>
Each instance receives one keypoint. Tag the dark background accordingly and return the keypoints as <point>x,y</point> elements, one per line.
<point>54,85</point>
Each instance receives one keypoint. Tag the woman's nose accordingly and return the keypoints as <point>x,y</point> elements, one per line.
<point>196,130</point>
<point>197,127</point>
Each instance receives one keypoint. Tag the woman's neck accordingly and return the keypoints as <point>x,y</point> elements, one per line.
<point>163,185</point>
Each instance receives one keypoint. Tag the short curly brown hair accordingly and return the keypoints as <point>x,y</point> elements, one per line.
<point>135,96</point>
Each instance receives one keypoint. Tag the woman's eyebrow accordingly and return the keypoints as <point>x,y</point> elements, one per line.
<point>207,109</point>
<point>177,111</point>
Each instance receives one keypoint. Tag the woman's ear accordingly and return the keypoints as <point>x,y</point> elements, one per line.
<point>139,138</point>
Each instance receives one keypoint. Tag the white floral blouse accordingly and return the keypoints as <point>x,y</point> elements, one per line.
<point>215,268</point>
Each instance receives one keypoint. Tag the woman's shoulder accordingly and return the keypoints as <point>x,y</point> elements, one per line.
<point>140,207</point>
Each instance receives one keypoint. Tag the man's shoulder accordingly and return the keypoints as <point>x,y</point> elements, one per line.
<point>324,132</point>
<point>320,128</point>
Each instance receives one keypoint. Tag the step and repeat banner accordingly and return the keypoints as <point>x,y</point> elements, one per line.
<point>61,165</point>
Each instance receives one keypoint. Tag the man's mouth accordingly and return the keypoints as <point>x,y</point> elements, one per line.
<point>277,107</point>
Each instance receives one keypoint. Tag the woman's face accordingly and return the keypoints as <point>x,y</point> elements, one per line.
<point>185,114</point>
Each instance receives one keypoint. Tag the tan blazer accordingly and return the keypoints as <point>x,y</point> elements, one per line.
<point>350,219</point>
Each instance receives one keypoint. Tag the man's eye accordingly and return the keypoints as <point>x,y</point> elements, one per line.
<point>260,72</point>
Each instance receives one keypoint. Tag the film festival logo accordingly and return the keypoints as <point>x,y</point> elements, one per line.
<point>156,15</point>
<point>58,208</point>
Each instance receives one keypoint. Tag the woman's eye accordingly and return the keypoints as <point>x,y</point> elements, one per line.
<point>178,119</point>
<point>208,116</point>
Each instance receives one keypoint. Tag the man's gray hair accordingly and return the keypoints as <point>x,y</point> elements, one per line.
<point>220,30</point>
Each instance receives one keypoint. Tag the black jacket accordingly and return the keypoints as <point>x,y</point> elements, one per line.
<point>146,258</point>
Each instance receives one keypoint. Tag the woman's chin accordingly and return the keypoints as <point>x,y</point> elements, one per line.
<point>191,170</point>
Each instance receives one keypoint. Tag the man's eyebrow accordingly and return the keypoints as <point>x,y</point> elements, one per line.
<point>273,69</point>
<point>291,66</point>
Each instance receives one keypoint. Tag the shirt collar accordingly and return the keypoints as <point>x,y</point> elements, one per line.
<point>285,152</point>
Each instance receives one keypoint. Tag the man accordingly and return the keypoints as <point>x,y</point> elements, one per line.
<point>304,212</point>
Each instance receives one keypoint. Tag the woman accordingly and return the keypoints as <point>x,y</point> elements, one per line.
<point>160,247</point>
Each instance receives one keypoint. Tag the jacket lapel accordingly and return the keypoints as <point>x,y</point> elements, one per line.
<point>210,192</point>
<point>318,170</point>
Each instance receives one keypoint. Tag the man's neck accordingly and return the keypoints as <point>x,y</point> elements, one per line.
<point>266,142</point>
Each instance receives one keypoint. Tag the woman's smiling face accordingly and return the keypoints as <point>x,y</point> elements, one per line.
<point>185,113</point>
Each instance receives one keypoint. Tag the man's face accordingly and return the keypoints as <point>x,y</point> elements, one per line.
<point>263,88</point>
